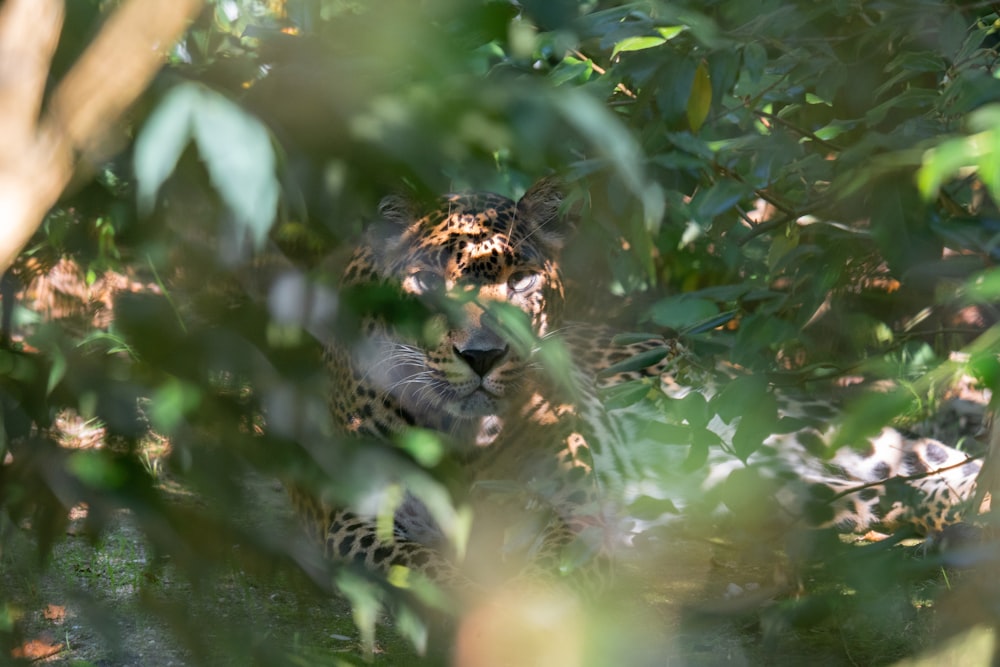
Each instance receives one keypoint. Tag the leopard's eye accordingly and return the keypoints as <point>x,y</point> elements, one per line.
<point>428,281</point>
<point>522,281</point>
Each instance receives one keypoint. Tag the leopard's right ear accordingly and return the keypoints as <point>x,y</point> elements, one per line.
<point>397,209</point>
<point>384,237</point>
<point>543,208</point>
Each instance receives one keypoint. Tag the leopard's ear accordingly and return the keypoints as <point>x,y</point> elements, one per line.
<point>397,209</point>
<point>384,236</point>
<point>542,208</point>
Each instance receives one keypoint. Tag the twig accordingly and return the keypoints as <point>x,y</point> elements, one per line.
<point>600,70</point>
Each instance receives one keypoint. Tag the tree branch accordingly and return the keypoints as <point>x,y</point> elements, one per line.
<point>38,156</point>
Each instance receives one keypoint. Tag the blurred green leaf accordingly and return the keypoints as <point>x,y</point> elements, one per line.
<point>626,394</point>
<point>237,150</point>
<point>235,147</point>
<point>424,446</point>
<point>96,469</point>
<point>754,59</point>
<point>682,311</point>
<point>163,138</point>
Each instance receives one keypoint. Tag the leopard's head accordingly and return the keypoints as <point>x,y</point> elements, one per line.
<point>461,259</point>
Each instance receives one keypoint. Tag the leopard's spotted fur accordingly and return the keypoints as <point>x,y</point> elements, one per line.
<point>510,420</point>
<point>474,385</point>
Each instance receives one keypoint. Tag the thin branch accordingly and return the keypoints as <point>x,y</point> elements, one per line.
<point>798,130</point>
<point>901,478</point>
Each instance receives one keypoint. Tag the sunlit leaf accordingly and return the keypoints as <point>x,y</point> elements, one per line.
<point>641,43</point>
<point>637,44</point>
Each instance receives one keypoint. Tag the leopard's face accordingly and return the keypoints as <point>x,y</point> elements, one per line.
<point>461,260</point>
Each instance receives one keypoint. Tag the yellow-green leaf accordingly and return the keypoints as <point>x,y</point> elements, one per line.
<point>700,100</point>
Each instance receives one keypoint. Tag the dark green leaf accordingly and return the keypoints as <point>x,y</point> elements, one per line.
<point>640,361</point>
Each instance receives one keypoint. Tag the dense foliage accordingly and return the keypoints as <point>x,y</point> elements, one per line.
<point>805,189</point>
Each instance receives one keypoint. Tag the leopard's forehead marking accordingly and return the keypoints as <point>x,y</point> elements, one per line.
<point>473,236</point>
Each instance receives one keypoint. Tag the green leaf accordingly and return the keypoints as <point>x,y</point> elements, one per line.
<point>741,396</point>
<point>515,327</point>
<point>571,69</point>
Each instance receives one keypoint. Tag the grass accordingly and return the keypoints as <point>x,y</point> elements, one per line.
<point>114,603</point>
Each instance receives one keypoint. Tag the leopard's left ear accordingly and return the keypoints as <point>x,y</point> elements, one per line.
<point>542,208</point>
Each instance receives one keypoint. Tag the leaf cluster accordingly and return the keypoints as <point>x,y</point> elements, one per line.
<point>802,187</point>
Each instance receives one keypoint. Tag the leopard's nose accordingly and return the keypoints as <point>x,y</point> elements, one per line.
<point>482,361</point>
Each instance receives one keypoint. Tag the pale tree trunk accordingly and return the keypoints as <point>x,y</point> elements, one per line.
<point>41,148</point>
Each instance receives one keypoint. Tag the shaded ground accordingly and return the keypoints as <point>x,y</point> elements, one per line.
<point>695,603</point>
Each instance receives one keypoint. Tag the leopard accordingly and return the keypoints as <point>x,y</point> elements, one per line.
<point>536,439</point>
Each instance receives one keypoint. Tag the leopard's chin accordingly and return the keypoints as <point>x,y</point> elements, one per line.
<point>479,403</point>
